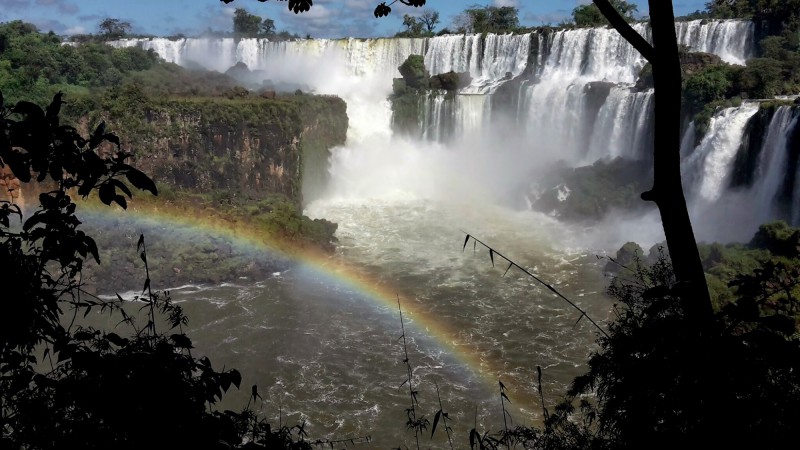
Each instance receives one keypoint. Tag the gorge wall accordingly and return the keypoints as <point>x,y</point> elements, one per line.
<point>249,145</point>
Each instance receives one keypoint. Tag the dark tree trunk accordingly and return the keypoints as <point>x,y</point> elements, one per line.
<point>667,191</point>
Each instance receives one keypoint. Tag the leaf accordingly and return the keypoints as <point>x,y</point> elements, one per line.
<point>510,265</point>
<point>97,136</point>
<point>28,109</point>
<point>120,200</point>
<point>55,106</point>
<point>115,339</point>
<point>466,240</point>
<point>182,341</point>
<point>146,285</point>
<point>435,422</point>
<point>491,256</point>
<point>382,10</point>
<point>236,378</point>
<point>113,138</point>
<point>503,394</point>
<point>91,246</point>
<point>107,193</point>
<point>141,181</point>
<point>82,336</point>
<point>122,187</point>
<point>140,243</point>
<point>502,386</point>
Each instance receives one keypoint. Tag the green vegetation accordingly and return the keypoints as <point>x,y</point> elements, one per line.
<point>420,26</point>
<point>589,15</point>
<point>488,19</point>
<point>35,66</point>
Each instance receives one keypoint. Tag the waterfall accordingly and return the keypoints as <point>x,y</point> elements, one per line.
<point>623,126</point>
<point>731,40</point>
<point>772,164</point>
<point>707,169</point>
<point>573,97</point>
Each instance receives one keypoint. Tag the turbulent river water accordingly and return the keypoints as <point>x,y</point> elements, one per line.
<point>320,337</point>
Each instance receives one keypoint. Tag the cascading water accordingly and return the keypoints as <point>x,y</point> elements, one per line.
<point>401,203</point>
<point>707,170</point>
<point>731,40</point>
<point>772,165</point>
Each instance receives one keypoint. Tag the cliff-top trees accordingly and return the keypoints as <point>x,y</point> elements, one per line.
<point>111,28</point>
<point>589,15</point>
<point>246,25</point>
<point>488,19</point>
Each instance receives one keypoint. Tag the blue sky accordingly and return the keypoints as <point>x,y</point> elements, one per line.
<point>328,18</point>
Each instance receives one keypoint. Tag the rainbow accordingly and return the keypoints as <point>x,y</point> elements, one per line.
<point>378,293</point>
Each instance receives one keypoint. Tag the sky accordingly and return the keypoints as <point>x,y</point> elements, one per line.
<point>327,18</point>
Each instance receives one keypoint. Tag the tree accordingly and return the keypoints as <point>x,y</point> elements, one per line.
<point>667,190</point>
<point>112,28</point>
<point>267,27</point>
<point>589,15</point>
<point>430,19</point>
<point>246,24</point>
<point>491,19</point>
<point>413,26</point>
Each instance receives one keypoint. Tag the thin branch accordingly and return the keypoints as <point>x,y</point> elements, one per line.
<point>626,30</point>
<point>495,253</point>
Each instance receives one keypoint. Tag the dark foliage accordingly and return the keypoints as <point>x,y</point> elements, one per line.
<point>67,385</point>
<point>656,383</point>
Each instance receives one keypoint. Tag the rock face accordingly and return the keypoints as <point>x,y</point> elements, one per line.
<point>250,145</point>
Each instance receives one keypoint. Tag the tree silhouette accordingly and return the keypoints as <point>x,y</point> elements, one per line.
<point>112,28</point>
<point>667,190</point>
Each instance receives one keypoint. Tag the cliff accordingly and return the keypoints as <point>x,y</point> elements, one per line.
<point>248,145</point>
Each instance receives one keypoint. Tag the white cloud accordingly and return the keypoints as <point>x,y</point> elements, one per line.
<point>501,3</point>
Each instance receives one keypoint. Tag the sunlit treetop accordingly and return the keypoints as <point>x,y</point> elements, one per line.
<point>381,10</point>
